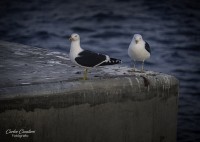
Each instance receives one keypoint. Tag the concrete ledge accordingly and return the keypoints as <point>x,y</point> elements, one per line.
<point>41,90</point>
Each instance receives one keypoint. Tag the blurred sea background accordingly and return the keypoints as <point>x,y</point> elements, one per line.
<point>171,27</point>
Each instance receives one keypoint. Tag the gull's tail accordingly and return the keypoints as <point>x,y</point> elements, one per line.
<point>111,61</point>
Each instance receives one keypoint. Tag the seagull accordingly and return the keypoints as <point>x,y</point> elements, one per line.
<point>139,50</point>
<point>87,59</point>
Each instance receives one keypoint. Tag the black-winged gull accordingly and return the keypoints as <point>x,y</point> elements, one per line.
<point>86,58</point>
<point>139,50</point>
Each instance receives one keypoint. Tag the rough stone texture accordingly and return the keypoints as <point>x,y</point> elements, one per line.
<point>41,90</point>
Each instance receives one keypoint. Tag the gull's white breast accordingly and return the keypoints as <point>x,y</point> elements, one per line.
<point>138,52</point>
<point>74,51</point>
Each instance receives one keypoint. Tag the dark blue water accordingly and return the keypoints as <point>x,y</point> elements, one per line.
<point>171,27</point>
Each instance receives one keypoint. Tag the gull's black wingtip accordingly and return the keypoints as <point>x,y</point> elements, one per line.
<point>112,61</point>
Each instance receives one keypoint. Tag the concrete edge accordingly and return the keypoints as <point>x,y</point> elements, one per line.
<point>93,92</point>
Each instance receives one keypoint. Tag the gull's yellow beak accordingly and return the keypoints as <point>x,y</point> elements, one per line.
<point>70,39</point>
<point>136,41</point>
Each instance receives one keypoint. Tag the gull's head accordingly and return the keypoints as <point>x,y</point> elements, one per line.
<point>74,37</point>
<point>137,38</point>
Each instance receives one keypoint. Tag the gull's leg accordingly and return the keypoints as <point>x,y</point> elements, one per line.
<point>133,65</point>
<point>85,74</point>
<point>142,66</point>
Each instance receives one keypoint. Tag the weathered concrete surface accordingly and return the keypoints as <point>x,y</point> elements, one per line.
<point>41,91</point>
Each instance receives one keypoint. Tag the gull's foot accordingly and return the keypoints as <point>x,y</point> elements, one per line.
<point>142,71</point>
<point>132,70</point>
<point>80,79</point>
<point>85,78</point>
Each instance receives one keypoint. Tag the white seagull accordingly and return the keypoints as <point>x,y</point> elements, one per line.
<point>139,50</point>
<point>86,58</point>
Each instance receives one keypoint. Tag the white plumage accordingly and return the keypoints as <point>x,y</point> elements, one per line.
<point>139,50</point>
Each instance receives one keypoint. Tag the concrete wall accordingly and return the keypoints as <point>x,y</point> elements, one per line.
<point>43,95</point>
